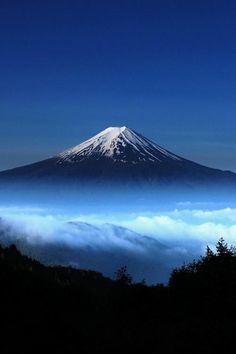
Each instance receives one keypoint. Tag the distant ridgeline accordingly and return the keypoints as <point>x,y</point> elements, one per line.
<point>64,310</point>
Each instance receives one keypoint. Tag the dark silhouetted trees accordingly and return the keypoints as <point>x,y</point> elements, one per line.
<point>64,310</point>
<point>123,277</point>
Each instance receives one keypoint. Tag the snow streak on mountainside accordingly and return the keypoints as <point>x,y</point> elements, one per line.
<point>119,144</point>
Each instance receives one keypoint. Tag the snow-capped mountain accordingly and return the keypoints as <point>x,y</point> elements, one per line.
<point>120,154</point>
<point>118,144</point>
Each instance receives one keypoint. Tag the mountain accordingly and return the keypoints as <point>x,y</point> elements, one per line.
<point>120,154</point>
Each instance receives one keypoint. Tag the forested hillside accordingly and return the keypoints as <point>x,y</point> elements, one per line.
<point>64,310</point>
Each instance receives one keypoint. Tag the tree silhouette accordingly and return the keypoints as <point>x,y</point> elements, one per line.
<point>123,277</point>
<point>209,252</point>
<point>223,249</point>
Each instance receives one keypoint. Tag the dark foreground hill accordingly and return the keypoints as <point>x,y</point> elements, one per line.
<point>63,310</point>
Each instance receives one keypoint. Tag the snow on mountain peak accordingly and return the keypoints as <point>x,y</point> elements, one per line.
<point>119,144</point>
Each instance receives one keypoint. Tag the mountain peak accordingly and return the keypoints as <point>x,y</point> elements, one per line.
<point>116,129</point>
<point>121,144</point>
<point>111,132</point>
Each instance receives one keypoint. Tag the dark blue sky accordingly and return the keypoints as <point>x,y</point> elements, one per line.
<point>164,68</point>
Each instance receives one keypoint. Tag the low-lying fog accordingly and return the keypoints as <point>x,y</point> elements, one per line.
<point>150,242</point>
<point>150,233</point>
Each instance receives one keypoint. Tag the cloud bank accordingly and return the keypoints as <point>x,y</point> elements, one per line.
<point>150,244</point>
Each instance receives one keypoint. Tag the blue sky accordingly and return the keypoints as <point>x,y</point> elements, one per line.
<point>164,68</point>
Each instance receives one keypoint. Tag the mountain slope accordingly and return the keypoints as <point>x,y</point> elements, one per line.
<point>120,145</point>
<point>120,154</point>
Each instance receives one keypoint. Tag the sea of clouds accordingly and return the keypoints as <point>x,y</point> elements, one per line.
<point>150,244</point>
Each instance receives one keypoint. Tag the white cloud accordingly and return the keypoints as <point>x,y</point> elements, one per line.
<point>205,225</point>
<point>185,232</point>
